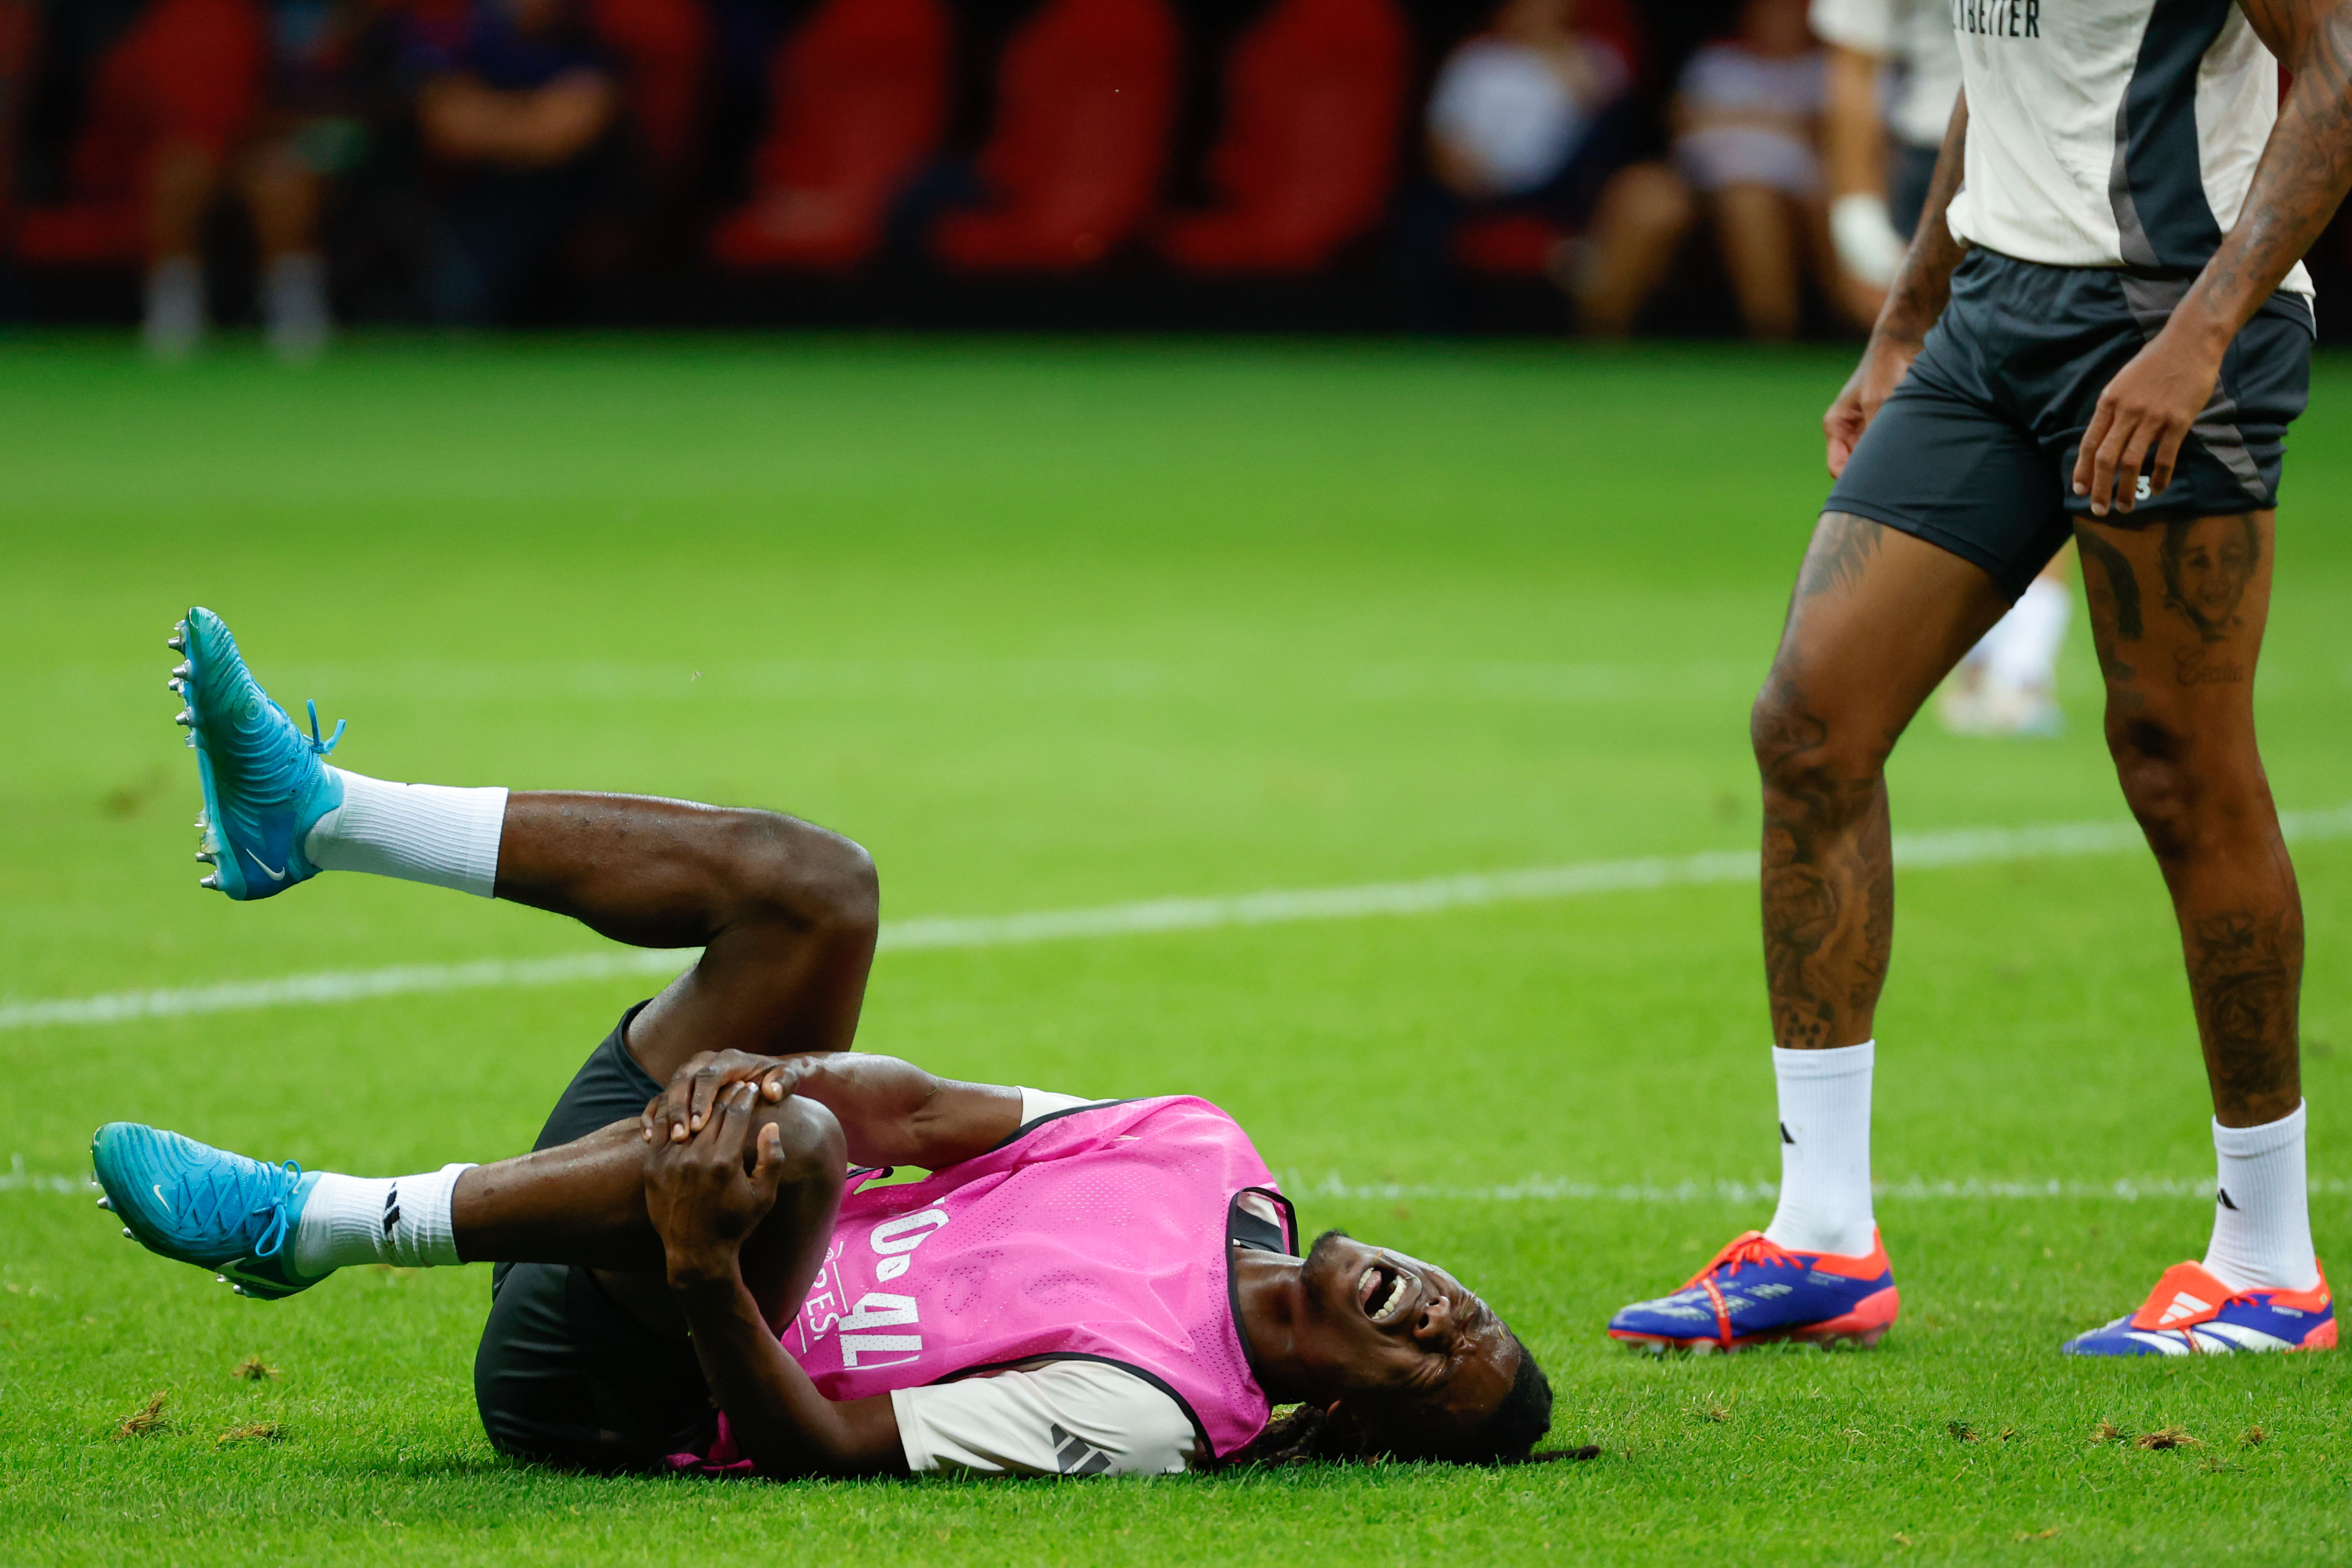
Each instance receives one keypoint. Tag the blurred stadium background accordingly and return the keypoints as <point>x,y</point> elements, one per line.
<point>1534,166</point>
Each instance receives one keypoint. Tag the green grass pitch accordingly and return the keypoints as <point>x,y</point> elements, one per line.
<point>1050,626</point>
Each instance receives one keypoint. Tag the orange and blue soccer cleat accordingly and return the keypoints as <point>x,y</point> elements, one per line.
<point>1758,1293</point>
<point>2190,1312</point>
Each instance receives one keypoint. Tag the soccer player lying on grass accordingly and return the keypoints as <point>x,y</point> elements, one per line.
<point>686,1275</point>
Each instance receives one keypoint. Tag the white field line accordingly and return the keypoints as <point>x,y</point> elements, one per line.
<point>1962,847</point>
<point>1559,1190</point>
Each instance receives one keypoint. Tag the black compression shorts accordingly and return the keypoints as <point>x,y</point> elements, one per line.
<point>564,1375</point>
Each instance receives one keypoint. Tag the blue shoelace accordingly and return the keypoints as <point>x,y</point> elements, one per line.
<point>220,1189</point>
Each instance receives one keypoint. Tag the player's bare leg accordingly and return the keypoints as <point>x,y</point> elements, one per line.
<point>584,1203</point>
<point>785,911</point>
<point>2177,610</point>
<point>1879,617</point>
<point>785,914</point>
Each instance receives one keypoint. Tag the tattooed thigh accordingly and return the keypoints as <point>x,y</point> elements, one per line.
<point>1843,549</point>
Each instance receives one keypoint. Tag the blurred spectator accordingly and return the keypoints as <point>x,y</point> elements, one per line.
<point>1513,107</point>
<point>517,105</point>
<point>1531,126</point>
<point>1894,76</point>
<point>1745,117</point>
<point>185,102</point>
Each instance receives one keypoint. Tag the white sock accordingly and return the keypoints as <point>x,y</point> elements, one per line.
<point>1824,1150</point>
<point>419,833</point>
<point>400,1220</point>
<point>175,306</point>
<point>294,307</point>
<point>2020,652</point>
<point>2262,1209</point>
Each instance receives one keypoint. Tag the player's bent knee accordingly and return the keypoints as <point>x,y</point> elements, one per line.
<point>808,875</point>
<point>810,1143</point>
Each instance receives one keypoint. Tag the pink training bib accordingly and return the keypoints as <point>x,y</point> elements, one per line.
<point>1098,1233</point>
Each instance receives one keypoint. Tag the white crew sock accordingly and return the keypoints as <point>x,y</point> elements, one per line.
<point>294,309</point>
<point>175,307</point>
<point>400,1220</point>
<point>420,833</point>
<point>2020,652</point>
<point>2262,1209</point>
<point>1824,1150</point>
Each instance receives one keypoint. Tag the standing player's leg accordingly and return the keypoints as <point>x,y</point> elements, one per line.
<point>1877,618</point>
<point>2178,609</point>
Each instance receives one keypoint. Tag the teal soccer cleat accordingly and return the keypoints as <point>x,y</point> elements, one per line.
<point>195,1203</point>
<point>265,782</point>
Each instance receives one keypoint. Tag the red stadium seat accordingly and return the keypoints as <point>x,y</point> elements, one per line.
<point>861,97</point>
<point>1084,100</point>
<point>186,71</point>
<point>661,46</point>
<point>1314,96</point>
<point>19,33</point>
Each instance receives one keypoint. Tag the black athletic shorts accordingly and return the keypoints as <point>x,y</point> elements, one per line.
<point>564,1375</point>
<point>1975,450</point>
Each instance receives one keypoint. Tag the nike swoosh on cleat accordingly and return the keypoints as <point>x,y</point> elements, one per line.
<point>160,1198</point>
<point>265,871</point>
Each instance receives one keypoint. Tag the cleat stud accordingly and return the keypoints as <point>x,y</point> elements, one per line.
<point>204,857</point>
<point>220,1279</point>
<point>182,671</point>
<point>211,883</point>
<point>176,643</point>
<point>237,1289</point>
<point>107,1204</point>
<point>127,1236</point>
<point>185,717</point>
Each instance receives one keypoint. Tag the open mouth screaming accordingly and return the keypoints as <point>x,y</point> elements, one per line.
<point>1384,1290</point>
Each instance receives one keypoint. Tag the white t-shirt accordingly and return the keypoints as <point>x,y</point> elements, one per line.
<point>1509,109</point>
<point>2111,133</point>
<point>1727,80</point>
<point>1915,39</point>
<point>1065,1418</point>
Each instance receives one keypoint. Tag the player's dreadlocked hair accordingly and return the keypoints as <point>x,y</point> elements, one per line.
<point>1507,1436</point>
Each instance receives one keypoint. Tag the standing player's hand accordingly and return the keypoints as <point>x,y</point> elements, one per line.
<point>707,1195</point>
<point>1884,366</point>
<point>2146,409</point>
<point>678,1112</point>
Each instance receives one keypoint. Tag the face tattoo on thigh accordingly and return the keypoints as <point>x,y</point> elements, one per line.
<point>2208,563</point>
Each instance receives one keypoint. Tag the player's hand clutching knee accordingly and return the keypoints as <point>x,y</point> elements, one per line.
<point>1884,366</point>
<point>708,1194</point>
<point>679,1112</point>
<point>2145,410</point>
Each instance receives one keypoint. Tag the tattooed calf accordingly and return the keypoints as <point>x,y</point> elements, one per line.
<point>2245,975</point>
